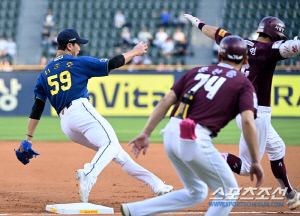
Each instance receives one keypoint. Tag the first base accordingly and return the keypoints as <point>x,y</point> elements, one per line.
<point>79,208</point>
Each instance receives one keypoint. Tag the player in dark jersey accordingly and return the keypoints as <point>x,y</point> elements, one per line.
<point>270,47</point>
<point>207,98</point>
<point>64,83</point>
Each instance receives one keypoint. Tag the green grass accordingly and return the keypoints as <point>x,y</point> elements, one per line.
<point>15,128</point>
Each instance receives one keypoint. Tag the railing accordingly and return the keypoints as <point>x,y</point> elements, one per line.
<point>134,67</point>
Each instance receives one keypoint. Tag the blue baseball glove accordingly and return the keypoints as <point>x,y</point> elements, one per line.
<point>25,152</point>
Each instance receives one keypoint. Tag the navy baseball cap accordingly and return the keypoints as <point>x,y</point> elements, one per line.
<point>70,36</point>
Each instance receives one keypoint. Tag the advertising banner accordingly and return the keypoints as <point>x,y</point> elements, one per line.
<point>16,93</point>
<point>128,95</point>
<point>285,100</point>
<point>131,94</point>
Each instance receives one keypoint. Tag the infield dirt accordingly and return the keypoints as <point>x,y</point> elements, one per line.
<point>50,178</point>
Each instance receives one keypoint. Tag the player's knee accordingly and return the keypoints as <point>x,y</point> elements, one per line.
<point>123,158</point>
<point>116,145</point>
<point>197,195</point>
<point>277,153</point>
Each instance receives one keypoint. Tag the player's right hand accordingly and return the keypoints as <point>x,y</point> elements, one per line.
<point>141,48</point>
<point>140,142</point>
<point>194,20</point>
<point>256,169</point>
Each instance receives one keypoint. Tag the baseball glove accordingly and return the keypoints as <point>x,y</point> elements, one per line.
<point>25,152</point>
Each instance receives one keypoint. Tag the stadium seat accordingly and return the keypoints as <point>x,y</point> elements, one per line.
<point>98,19</point>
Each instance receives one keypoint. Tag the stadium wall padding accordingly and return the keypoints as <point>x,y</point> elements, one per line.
<point>132,94</point>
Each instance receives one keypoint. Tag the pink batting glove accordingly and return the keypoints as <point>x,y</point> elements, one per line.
<point>187,129</point>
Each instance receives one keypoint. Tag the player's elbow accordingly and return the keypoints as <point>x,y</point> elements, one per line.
<point>247,118</point>
<point>116,62</point>
<point>170,99</point>
<point>288,49</point>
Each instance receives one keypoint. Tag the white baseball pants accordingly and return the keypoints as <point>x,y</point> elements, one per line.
<point>84,125</point>
<point>204,168</point>
<point>268,140</point>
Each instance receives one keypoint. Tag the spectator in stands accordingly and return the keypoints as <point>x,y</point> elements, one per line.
<point>181,20</point>
<point>160,37</point>
<point>216,48</point>
<point>119,20</point>
<point>165,18</point>
<point>137,60</point>
<point>53,42</point>
<point>181,48</point>
<point>126,37</point>
<point>179,36</point>
<point>118,51</point>
<point>215,53</point>
<point>161,67</point>
<point>147,60</point>
<point>145,36</point>
<point>167,48</point>
<point>11,47</point>
<point>45,33</point>
<point>3,46</point>
<point>169,66</point>
<point>288,69</point>
<point>6,66</point>
<point>43,61</point>
<point>45,37</point>
<point>179,67</point>
<point>53,37</point>
<point>49,22</point>
<point>253,35</point>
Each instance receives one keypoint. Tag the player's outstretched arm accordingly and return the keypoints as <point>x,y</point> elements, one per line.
<point>120,60</point>
<point>209,31</point>
<point>142,141</point>
<point>250,134</point>
<point>290,48</point>
<point>139,49</point>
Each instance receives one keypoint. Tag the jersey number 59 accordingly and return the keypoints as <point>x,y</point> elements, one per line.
<point>64,82</point>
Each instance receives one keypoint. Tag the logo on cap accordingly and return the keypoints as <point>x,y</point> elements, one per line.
<point>235,57</point>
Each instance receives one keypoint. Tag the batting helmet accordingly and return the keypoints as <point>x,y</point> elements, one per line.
<point>233,48</point>
<point>273,27</point>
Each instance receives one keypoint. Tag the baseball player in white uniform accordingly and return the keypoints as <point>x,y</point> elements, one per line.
<point>207,98</point>
<point>270,47</point>
<point>64,83</point>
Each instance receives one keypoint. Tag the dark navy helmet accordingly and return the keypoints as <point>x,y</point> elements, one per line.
<point>273,27</point>
<point>233,48</point>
